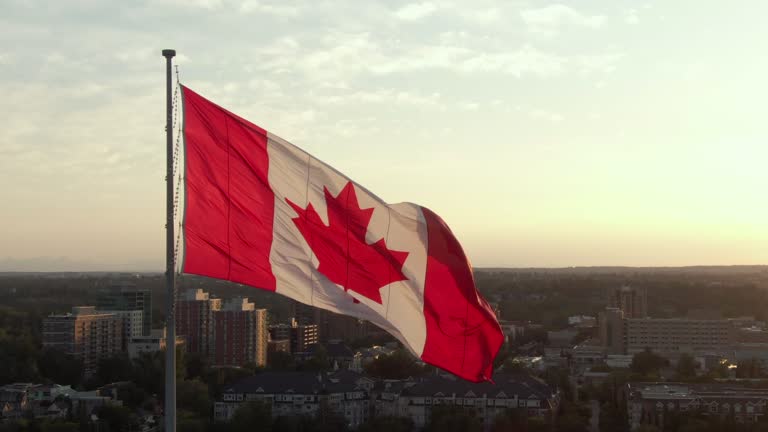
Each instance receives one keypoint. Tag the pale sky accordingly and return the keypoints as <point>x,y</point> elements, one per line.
<point>546,134</point>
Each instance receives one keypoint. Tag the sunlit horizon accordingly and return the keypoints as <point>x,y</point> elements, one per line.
<point>603,133</point>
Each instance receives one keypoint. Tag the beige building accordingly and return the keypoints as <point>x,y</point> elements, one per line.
<point>84,333</point>
<point>673,336</point>
<point>140,344</point>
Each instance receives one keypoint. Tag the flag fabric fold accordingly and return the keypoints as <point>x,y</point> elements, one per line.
<point>261,212</point>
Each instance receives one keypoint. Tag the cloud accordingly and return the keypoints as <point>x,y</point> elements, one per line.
<point>632,17</point>
<point>415,11</point>
<point>277,10</point>
<point>547,20</point>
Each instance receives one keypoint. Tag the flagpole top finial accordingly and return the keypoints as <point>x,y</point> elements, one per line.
<point>169,53</point>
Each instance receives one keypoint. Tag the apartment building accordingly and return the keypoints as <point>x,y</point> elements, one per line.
<point>673,336</point>
<point>126,296</point>
<point>85,333</point>
<point>240,334</point>
<point>194,321</point>
<point>648,403</point>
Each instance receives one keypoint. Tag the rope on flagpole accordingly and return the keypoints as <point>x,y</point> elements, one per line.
<point>178,179</point>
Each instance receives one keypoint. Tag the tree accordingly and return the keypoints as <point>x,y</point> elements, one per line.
<point>511,420</point>
<point>189,422</point>
<point>647,363</point>
<point>196,365</point>
<point>280,360</point>
<point>115,369</point>
<point>131,395</point>
<point>387,424</point>
<point>319,360</point>
<point>61,368</point>
<point>118,418</point>
<point>686,366</point>
<point>192,395</point>
<point>398,365</point>
<point>451,418</point>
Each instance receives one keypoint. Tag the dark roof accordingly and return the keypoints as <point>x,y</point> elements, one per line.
<point>272,382</point>
<point>511,385</point>
<point>334,350</point>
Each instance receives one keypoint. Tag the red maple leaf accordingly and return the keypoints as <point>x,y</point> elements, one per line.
<point>345,257</point>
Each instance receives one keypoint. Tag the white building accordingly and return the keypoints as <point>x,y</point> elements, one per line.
<point>487,400</point>
<point>149,344</point>
<point>301,393</point>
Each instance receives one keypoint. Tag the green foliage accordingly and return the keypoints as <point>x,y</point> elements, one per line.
<point>131,395</point>
<point>117,418</point>
<point>60,368</point>
<point>319,361</point>
<point>196,365</point>
<point>387,424</point>
<point>451,418</point>
<point>647,363</point>
<point>192,395</point>
<point>115,368</point>
<point>281,361</point>
<point>190,422</point>
<point>398,365</point>
<point>686,367</point>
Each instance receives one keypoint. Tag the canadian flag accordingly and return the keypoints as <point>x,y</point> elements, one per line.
<point>261,212</point>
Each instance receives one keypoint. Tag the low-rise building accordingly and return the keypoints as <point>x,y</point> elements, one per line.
<point>486,400</point>
<point>674,336</point>
<point>138,345</point>
<point>647,403</point>
<point>301,393</point>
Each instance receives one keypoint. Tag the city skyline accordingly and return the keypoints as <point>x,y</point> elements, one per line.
<point>545,134</point>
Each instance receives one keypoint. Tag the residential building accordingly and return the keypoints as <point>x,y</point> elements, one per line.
<point>486,399</point>
<point>279,345</point>
<point>138,345</point>
<point>648,403</point>
<point>84,333</point>
<point>280,331</point>
<point>612,330</point>
<point>301,393</point>
<point>303,336</point>
<point>330,325</point>
<point>125,296</point>
<point>133,324</point>
<point>632,301</point>
<point>240,334</point>
<point>673,336</point>
<point>561,338</point>
<point>194,321</point>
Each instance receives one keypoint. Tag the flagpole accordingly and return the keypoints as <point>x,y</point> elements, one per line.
<point>170,316</point>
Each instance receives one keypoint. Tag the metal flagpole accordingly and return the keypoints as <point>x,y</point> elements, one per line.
<point>170,315</point>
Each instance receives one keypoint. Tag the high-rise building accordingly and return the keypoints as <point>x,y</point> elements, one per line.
<point>126,296</point>
<point>194,321</point>
<point>612,330</point>
<point>133,324</point>
<point>330,325</point>
<point>302,336</point>
<point>631,300</point>
<point>240,334</point>
<point>85,333</point>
